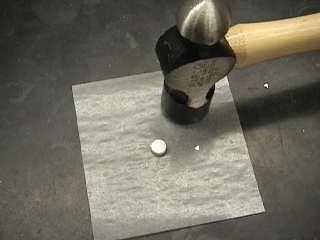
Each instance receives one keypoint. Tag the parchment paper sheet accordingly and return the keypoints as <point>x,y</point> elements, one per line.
<point>131,191</point>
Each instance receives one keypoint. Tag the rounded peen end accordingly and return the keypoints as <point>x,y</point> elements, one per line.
<point>203,21</point>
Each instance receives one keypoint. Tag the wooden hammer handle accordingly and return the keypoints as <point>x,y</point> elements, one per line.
<point>258,42</point>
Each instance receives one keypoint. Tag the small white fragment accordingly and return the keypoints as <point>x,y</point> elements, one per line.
<point>158,147</point>
<point>266,85</point>
<point>197,148</point>
<point>303,131</point>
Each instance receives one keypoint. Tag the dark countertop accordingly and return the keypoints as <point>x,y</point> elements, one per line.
<point>48,46</point>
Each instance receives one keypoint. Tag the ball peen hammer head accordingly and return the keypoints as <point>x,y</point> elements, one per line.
<point>192,62</point>
<point>203,21</point>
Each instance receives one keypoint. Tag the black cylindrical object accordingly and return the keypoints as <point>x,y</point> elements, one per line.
<point>177,54</point>
<point>180,112</point>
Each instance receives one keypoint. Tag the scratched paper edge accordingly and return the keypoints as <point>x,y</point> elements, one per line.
<point>261,208</point>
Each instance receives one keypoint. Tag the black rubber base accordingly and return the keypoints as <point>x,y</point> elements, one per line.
<point>179,112</point>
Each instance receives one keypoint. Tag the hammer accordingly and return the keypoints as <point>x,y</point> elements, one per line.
<point>201,49</point>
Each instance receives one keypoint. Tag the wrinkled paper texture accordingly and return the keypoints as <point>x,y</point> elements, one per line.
<point>131,191</point>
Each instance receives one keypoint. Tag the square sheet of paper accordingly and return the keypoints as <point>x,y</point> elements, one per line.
<point>131,191</point>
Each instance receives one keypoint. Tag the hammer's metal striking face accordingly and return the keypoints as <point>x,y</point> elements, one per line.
<point>190,71</point>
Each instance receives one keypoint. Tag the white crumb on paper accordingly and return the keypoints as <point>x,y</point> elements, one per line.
<point>197,148</point>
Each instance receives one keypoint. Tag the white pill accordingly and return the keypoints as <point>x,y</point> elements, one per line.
<point>158,147</point>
